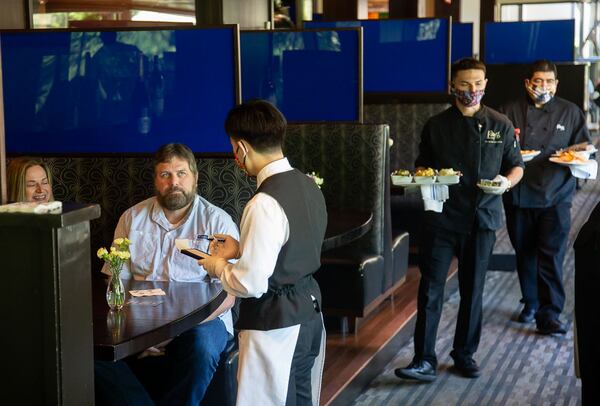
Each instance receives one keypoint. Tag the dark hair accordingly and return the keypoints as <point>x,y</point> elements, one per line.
<point>259,123</point>
<point>169,151</point>
<point>466,64</point>
<point>542,65</point>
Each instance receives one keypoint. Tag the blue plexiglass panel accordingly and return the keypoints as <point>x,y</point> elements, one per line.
<point>126,91</point>
<point>528,41</point>
<point>462,41</point>
<point>402,56</point>
<point>308,75</point>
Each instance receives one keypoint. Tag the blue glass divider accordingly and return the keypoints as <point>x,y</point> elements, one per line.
<point>310,75</point>
<point>528,41</point>
<point>126,91</point>
<point>402,56</point>
<point>462,41</point>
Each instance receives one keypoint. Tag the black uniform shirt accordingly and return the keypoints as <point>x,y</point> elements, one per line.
<point>558,124</point>
<point>481,147</point>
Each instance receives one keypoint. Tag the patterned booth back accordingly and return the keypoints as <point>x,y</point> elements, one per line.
<point>118,183</point>
<point>351,158</point>
<point>406,122</point>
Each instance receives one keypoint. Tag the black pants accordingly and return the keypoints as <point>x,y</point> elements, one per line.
<point>539,237</point>
<point>307,349</point>
<point>435,252</point>
<point>587,280</point>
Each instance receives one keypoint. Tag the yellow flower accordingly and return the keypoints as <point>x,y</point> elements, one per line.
<point>101,252</point>
<point>116,256</point>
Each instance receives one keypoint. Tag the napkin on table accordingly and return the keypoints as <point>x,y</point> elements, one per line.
<point>147,292</point>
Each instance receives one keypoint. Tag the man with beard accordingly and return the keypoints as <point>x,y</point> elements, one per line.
<point>182,373</point>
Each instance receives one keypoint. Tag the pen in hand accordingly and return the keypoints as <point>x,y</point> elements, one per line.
<point>210,238</point>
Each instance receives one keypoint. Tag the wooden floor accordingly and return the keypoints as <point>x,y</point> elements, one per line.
<point>352,360</point>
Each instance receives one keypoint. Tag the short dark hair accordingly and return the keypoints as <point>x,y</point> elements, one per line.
<point>259,123</point>
<point>169,151</point>
<point>542,65</point>
<point>466,64</point>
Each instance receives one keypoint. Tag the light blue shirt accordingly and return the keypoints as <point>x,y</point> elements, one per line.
<point>154,256</point>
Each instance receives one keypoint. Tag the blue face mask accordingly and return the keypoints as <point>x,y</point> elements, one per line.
<point>540,95</point>
<point>468,98</point>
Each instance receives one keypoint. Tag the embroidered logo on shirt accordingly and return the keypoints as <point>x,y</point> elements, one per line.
<point>560,127</point>
<point>493,137</point>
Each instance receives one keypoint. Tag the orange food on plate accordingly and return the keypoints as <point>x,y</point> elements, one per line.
<point>571,156</point>
<point>528,151</point>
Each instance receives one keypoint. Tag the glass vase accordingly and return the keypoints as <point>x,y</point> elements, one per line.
<point>115,293</point>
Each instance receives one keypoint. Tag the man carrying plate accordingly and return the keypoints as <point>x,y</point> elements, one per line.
<point>480,143</point>
<point>538,214</point>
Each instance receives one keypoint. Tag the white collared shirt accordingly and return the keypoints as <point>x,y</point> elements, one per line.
<point>154,256</point>
<point>264,230</point>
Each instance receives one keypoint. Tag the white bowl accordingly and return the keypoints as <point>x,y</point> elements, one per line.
<point>488,189</point>
<point>448,179</point>
<point>401,179</point>
<point>424,180</point>
<point>528,157</point>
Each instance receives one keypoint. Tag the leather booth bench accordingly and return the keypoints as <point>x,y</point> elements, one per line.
<point>406,122</point>
<point>353,160</point>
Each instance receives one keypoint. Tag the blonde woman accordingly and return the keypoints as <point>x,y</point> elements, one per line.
<point>29,180</point>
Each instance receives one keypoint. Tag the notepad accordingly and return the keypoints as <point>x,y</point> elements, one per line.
<point>147,292</point>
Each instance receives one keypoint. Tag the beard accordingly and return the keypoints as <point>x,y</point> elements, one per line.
<point>175,198</point>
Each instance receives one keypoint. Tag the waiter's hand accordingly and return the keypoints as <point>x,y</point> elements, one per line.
<point>228,249</point>
<point>213,265</point>
<point>504,185</point>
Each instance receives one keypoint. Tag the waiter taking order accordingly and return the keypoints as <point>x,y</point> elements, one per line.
<point>282,229</point>
<point>479,142</point>
<point>538,210</point>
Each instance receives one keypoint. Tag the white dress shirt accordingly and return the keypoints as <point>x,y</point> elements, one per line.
<point>264,230</point>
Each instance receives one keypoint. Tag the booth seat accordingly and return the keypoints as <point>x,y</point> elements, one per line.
<point>406,121</point>
<point>353,160</point>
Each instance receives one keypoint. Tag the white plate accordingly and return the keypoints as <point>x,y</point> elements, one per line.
<point>530,156</point>
<point>424,180</point>
<point>572,163</point>
<point>488,189</point>
<point>401,180</point>
<point>448,179</point>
